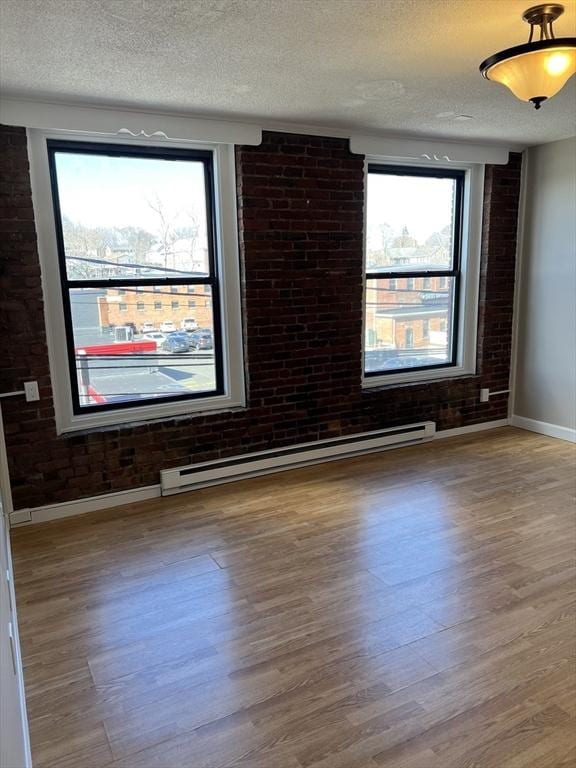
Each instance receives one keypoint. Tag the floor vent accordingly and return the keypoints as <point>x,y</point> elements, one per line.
<point>279,459</point>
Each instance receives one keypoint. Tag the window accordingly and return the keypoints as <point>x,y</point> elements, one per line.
<point>122,232</point>
<point>421,272</point>
<point>191,303</point>
<point>175,304</point>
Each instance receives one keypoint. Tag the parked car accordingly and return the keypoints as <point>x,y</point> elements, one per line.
<point>176,342</point>
<point>202,339</point>
<point>167,326</point>
<point>189,324</point>
<point>156,336</point>
<point>147,328</point>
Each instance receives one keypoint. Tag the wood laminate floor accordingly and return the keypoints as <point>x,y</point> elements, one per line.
<point>408,609</point>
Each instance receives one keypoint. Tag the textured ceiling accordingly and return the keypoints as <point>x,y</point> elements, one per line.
<point>390,66</point>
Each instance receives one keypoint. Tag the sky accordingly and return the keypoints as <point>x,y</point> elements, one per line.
<point>424,205</point>
<point>100,191</point>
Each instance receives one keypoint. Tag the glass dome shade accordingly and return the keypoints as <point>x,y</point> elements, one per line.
<point>534,71</point>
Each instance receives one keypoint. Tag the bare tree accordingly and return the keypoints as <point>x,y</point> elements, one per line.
<point>82,242</point>
<point>166,229</point>
<point>138,241</point>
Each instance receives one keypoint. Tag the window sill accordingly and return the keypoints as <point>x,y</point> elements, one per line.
<point>415,377</point>
<point>135,417</point>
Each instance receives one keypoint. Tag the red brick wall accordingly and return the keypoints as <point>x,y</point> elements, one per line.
<point>301,221</point>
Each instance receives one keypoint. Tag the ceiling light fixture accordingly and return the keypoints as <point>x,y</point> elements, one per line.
<point>537,70</point>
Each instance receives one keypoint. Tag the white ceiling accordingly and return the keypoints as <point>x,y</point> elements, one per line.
<point>379,66</point>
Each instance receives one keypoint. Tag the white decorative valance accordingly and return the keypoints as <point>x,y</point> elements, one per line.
<point>111,122</point>
<point>428,150</point>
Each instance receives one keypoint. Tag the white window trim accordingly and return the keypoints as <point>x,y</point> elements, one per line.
<point>472,212</point>
<point>229,269</point>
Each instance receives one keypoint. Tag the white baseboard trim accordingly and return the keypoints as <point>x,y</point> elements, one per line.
<point>456,431</point>
<point>119,498</point>
<point>544,428</point>
<point>80,507</point>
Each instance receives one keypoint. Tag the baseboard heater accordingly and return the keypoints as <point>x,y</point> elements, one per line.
<point>279,459</point>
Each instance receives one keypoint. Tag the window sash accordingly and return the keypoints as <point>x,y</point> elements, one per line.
<point>210,281</point>
<point>455,272</point>
<point>454,350</point>
<point>419,172</point>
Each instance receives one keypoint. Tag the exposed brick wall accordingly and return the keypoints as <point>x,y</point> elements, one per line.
<point>301,221</point>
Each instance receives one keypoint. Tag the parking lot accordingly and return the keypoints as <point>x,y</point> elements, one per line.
<point>119,376</point>
<point>146,376</point>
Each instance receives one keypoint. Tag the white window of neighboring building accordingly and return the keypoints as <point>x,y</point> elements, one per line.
<point>112,229</point>
<point>422,255</point>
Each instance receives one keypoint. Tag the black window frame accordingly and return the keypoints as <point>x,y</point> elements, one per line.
<point>455,272</point>
<point>211,282</point>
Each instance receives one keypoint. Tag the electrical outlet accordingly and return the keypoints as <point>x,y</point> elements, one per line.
<point>31,391</point>
<point>484,395</point>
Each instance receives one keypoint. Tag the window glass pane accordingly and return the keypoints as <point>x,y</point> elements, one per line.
<point>126,217</point>
<point>408,328</point>
<point>124,354</point>
<point>409,222</point>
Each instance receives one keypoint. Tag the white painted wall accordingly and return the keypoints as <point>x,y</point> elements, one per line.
<point>545,378</point>
<point>14,743</point>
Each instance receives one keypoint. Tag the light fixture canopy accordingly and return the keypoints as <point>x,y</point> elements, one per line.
<point>537,70</point>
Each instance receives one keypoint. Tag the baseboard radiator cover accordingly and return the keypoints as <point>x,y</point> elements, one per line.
<point>234,468</point>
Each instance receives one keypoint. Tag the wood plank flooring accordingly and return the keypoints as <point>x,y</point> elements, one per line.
<point>408,609</point>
